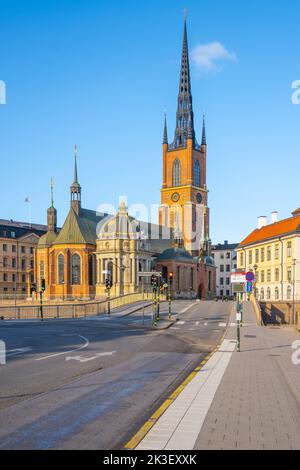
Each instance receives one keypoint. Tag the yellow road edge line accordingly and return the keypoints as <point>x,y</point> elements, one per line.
<point>146,428</point>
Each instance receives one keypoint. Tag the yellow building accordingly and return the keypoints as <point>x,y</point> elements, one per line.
<point>272,252</point>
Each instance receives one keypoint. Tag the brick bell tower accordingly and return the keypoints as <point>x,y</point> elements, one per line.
<point>184,194</point>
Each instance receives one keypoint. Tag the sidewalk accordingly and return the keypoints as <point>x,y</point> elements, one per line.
<point>247,400</point>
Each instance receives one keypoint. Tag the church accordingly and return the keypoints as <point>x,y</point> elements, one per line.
<point>74,261</point>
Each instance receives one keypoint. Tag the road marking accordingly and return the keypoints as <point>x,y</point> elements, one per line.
<point>67,352</point>
<point>233,325</point>
<point>88,359</point>
<point>222,325</point>
<point>15,352</point>
<point>197,323</point>
<point>206,324</point>
<point>188,308</point>
<point>173,328</point>
<point>181,323</point>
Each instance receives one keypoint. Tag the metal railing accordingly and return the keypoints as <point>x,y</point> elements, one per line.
<point>72,310</point>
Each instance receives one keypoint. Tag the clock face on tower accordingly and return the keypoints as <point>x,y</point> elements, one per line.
<point>199,198</point>
<point>175,197</point>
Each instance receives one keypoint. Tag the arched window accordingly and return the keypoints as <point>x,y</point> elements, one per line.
<point>76,270</point>
<point>268,294</point>
<point>276,293</point>
<point>60,269</point>
<point>289,293</point>
<point>262,294</point>
<point>197,181</point>
<point>176,173</point>
<point>110,269</point>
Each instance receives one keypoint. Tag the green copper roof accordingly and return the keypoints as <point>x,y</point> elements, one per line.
<point>48,239</point>
<point>177,254</point>
<point>79,229</point>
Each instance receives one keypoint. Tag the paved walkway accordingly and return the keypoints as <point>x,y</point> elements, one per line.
<point>247,400</point>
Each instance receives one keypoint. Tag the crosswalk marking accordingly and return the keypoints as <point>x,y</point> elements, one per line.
<point>181,323</point>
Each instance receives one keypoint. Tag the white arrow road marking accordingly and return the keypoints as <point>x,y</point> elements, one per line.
<point>88,359</point>
<point>67,352</point>
<point>15,352</point>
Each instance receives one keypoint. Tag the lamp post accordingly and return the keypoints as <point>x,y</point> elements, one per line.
<point>255,267</point>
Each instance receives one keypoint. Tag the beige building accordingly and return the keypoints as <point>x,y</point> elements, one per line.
<point>18,241</point>
<point>272,252</point>
<point>125,248</point>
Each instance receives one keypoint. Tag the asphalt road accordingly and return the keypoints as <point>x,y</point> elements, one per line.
<point>91,383</point>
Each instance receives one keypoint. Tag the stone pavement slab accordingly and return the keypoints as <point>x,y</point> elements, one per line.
<point>257,405</point>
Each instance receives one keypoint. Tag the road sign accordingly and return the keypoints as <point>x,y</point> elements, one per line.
<point>250,277</point>
<point>141,274</point>
<point>249,287</point>
<point>238,278</point>
<point>238,288</point>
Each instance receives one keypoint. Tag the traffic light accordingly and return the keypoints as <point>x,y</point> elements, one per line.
<point>33,288</point>
<point>108,283</point>
<point>43,285</point>
<point>171,277</point>
<point>154,281</point>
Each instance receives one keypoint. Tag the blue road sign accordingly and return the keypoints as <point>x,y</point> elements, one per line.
<point>249,287</point>
<point>250,277</point>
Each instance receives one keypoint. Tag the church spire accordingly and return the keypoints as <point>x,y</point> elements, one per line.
<point>165,140</point>
<point>76,188</point>
<point>185,115</point>
<point>52,213</point>
<point>204,131</point>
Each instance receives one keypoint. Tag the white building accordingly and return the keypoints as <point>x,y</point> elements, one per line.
<point>226,262</point>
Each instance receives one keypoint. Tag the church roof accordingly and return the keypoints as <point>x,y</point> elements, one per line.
<point>176,254</point>
<point>48,239</point>
<point>79,229</point>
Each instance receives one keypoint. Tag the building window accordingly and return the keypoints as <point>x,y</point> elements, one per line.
<point>228,281</point>
<point>276,274</point>
<point>13,278</point>
<point>268,293</point>
<point>222,268</point>
<point>23,264</point>
<point>276,251</point>
<point>197,181</point>
<point>14,248</point>
<point>256,256</point>
<point>228,268</point>
<point>176,173</point>
<point>91,270</point>
<point>262,276</point>
<point>178,278</point>
<point>242,259</point>
<point>4,247</point>
<point>61,269</point>
<point>31,250</point>
<point>42,270</point>
<point>289,249</point>
<point>23,278</point>
<point>269,253</point>
<point>14,263</point>
<point>276,293</point>
<point>76,270</point>
<point>222,281</point>
<point>289,293</point>
<point>4,262</point>
<point>250,257</point>
<point>5,277</point>
<point>262,255</point>
<point>269,276</point>
<point>23,249</point>
<point>262,294</point>
<point>192,279</point>
<point>289,274</point>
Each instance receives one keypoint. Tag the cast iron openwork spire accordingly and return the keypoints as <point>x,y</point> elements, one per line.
<point>165,139</point>
<point>185,116</point>
<point>204,131</point>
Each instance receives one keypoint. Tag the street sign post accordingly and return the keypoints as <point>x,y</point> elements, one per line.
<point>249,287</point>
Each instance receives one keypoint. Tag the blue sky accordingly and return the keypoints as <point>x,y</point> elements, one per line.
<point>101,74</point>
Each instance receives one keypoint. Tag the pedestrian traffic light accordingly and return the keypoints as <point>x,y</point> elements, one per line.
<point>154,281</point>
<point>33,288</point>
<point>43,285</point>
